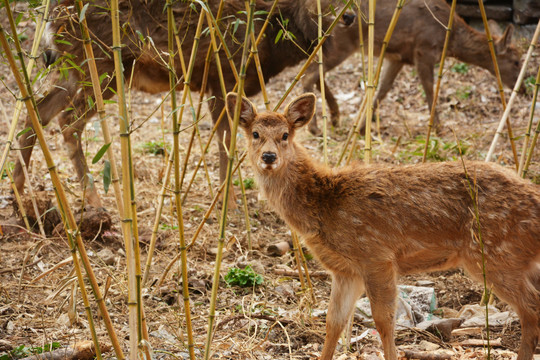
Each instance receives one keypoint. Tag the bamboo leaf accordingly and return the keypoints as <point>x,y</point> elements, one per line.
<point>107,176</point>
<point>100,153</point>
<point>82,16</point>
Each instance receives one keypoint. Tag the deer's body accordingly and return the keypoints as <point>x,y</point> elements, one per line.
<point>418,40</point>
<point>369,224</point>
<point>148,61</point>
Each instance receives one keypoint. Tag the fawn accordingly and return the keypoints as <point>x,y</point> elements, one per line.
<point>143,60</point>
<point>368,224</point>
<point>418,40</point>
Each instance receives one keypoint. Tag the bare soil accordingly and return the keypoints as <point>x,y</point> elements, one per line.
<point>274,320</point>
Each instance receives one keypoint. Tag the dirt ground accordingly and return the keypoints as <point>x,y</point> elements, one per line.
<point>278,319</point>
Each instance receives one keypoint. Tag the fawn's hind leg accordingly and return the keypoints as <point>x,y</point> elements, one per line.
<point>381,290</point>
<point>345,291</point>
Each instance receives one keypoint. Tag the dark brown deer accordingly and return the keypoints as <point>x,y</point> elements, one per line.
<point>150,74</point>
<point>369,224</point>
<point>418,40</point>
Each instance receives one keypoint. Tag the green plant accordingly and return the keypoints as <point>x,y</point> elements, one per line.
<point>25,351</point>
<point>243,277</point>
<point>249,183</point>
<point>529,84</point>
<point>437,150</point>
<point>460,68</point>
<point>154,147</point>
<point>464,92</point>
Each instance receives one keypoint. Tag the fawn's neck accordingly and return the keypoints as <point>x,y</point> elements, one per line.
<point>470,46</point>
<point>289,191</point>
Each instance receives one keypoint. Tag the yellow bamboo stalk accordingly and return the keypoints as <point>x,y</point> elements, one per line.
<point>506,113</point>
<point>363,109</point>
<point>176,152</point>
<point>321,79</point>
<point>40,28</point>
<point>70,224</point>
<point>521,171</point>
<point>100,106</point>
<point>370,89</point>
<point>499,80</point>
<point>232,151</point>
<point>30,190</point>
<point>439,76</point>
<point>135,315</point>
<point>312,56</point>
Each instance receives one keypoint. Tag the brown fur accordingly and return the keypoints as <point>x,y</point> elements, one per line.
<point>369,224</point>
<point>418,40</point>
<point>148,18</point>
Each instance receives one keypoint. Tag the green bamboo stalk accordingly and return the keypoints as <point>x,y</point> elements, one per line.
<point>515,90</point>
<point>176,151</point>
<point>499,80</point>
<point>70,225</point>
<point>439,76</point>
<point>521,170</point>
<point>232,149</point>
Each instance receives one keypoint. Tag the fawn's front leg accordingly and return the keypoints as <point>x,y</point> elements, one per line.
<point>345,291</point>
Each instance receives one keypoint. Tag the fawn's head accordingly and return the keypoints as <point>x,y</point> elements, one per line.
<point>270,135</point>
<point>508,55</point>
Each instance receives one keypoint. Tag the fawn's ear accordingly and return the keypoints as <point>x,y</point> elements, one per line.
<point>300,111</point>
<point>247,110</point>
<point>504,42</point>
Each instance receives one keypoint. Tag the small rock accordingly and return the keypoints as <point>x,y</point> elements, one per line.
<point>106,256</point>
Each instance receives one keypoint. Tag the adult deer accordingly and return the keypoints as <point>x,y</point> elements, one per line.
<point>368,224</point>
<point>418,40</point>
<point>144,62</point>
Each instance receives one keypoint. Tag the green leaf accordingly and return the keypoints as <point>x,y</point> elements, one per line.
<point>107,178</point>
<point>100,153</point>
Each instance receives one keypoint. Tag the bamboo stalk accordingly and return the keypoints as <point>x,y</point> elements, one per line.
<point>100,106</point>
<point>370,90</point>
<point>176,152</point>
<point>201,225</point>
<point>21,207</point>
<point>232,149</point>
<point>321,79</point>
<point>70,225</point>
<point>506,113</point>
<point>30,189</point>
<point>312,56</point>
<point>499,80</point>
<point>363,108</point>
<point>245,208</point>
<point>522,170</point>
<point>439,76</point>
<point>40,27</point>
<point>135,315</point>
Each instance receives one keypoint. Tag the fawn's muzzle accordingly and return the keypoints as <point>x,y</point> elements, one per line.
<point>269,157</point>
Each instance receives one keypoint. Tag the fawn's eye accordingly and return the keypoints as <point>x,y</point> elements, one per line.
<point>255,135</point>
<point>285,136</point>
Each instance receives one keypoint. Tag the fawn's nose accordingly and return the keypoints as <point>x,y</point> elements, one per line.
<point>269,157</point>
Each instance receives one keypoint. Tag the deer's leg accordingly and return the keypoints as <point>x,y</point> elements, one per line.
<point>223,134</point>
<point>72,124</point>
<point>425,73</point>
<point>389,73</point>
<point>382,291</point>
<point>345,291</point>
<point>308,81</point>
<point>55,101</point>
<point>332,103</point>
